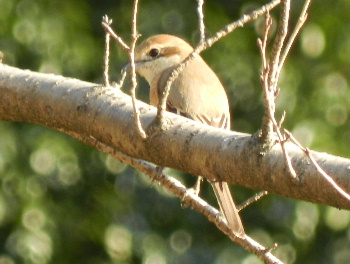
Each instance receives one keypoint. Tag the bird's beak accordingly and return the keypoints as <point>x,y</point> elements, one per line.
<point>126,66</point>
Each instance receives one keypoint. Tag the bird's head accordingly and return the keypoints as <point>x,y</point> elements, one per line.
<point>159,53</point>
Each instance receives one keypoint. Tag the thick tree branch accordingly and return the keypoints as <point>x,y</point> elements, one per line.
<point>106,114</point>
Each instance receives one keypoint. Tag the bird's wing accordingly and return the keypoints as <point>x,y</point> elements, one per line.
<point>221,121</point>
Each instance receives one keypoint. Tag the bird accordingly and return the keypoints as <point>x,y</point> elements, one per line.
<point>196,93</point>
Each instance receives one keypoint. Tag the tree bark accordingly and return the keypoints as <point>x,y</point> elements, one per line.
<point>106,114</point>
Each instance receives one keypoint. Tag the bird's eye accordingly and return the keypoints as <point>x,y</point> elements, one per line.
<point>154,52</point>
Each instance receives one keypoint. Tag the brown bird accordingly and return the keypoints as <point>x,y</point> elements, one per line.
<point>196,94</point>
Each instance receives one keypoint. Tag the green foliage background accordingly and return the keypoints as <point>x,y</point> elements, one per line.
<point>63,202</point>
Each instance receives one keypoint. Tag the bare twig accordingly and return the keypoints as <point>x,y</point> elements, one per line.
<point>272,248</point>
<point>201,206</point>
<point>135,36</point>
<point>287,159</point>
<point>300,23</point>
<point>206,44</point>
<point>272,72</point>
<point>267,126</point>
<point>263,43</point>
<point>318,167</point>
<point>251,200</point>
<point>326,176</point>
<point>283,117</point>
<point>187,196</point>
<point>201,20</point>
<point>119,40</point>
<point>278,45</point>
<point>240,23</point>
<point>108,21</point>
<point>269,121</point>
<point>131,53</point>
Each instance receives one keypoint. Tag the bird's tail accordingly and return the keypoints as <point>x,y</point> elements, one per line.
<point>228,207</point>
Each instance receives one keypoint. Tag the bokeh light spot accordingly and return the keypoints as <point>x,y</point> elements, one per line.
<point>114,166</point>
<point>35,188</point>
<point>42,161</point>
<point>33,247</point>
<point>336,115</point>
<point>24,31</point>
<point>33,219</point>
<point>262,236</point>
<point>69,173</point>
<point>304,133</point>
<point>155,258</point>
<point>335,85</point>
<point>337,219</point>
<point>312,40</point>
<point>118,241</point>
<point>307,216</point>
<point>286,253</point>
<point>153,248</point>
<point>180,241</point>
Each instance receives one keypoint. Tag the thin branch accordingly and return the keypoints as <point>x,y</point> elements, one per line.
<point>318,167</point>
<point>187,196</point>
<point>119,40</point>
<point>267,126</point>
<point>287,159</point>
<point>283,117</point>
<point>201,20</point>
<point>272,73</point>
<point>272,248</point>
<point>251,200</point>
<point>278,45</point>
<point>263,43</point>
<point>269,77</point>
<point>206,44</point>
<point>240,23</point>
<point>326,176</point>
<point>131,52</point>
<point>300,23</point>
<point>108,21</point>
